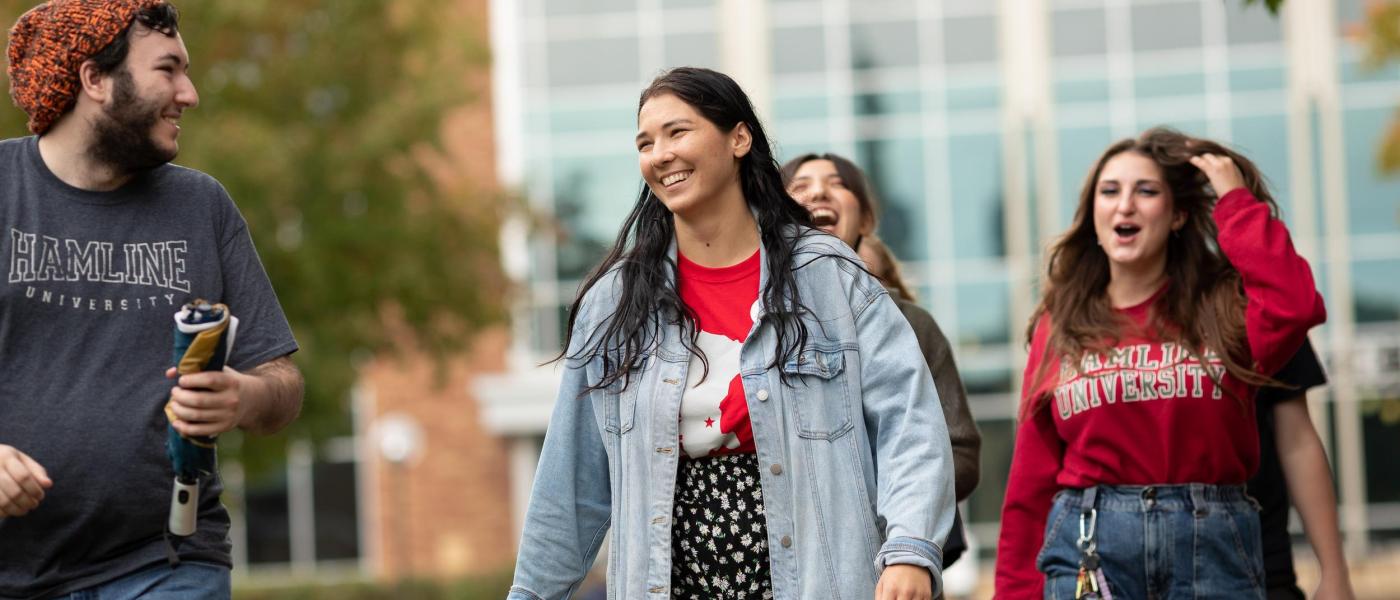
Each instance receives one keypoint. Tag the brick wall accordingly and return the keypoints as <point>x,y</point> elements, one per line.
<point>447,512</point>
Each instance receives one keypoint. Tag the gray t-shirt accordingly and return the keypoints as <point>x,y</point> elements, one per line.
<point>92,280</point>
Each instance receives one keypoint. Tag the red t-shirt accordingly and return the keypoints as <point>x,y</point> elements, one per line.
<point>1145,413</point>
<point>714,413</point>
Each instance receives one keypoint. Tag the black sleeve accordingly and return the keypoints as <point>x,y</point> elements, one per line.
<point>1303,370</point>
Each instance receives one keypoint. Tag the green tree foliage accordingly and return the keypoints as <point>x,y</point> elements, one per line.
<point>1381,35</point>
<point>317,116</point>
<point>1272,5</point>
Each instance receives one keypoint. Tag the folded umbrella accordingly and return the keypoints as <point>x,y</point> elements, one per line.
<point>204,335</point>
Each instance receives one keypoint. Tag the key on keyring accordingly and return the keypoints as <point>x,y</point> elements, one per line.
<point>1102,584</point>
<point>1090,584</point>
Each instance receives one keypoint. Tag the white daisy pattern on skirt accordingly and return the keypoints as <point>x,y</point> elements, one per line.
<point>719,539</point>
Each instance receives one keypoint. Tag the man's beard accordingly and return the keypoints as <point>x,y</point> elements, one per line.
<point>123,132</point>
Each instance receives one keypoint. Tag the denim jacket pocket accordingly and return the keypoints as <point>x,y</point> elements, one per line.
<point>819,392</point>
<point>620,403</point>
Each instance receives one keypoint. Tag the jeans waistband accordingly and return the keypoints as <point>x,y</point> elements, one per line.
<point>1138,498</point>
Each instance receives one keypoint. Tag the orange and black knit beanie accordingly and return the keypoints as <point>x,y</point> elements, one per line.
<point>50,42</point>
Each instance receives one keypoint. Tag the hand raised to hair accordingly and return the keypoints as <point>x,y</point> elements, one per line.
<point>1222,172</point>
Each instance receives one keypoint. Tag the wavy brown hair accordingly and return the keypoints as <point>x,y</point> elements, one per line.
<point>885,267</point>
<point>1203,305</point>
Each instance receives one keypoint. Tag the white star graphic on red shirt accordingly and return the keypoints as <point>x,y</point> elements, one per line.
<point>701,429</point>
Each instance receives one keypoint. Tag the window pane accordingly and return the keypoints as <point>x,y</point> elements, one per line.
<point>791,150</point>
<point>969,40</point>
<point>592,195</point>
<point>895,168</point>
<point>1264,139</point>
<point>536,64</point>
<point>1375,288</point>
<point>878,45</point>
<point>1264,78</point>
<point>1245,24</point>
<point>984,505</point>
<point>1372,204</point>
<point>1381,428</point>
<point>591,62</point>
<point>1091,90</point>
<point>1078,32</point>
<point>580,7</point>
<point>1166,26</point>
<point>269,529</point>
<point>798,50</point>
<point>613,119</point>
<point>1149,86</point>
<point>975,181</point>
<point>547,328</point>
<point>969,96</point>
<point>985,380</point>
<point>1349,12</point>
<point>800,107</point>
<point>983,311</point>
<point>1186,125</point>
<point>887,103</point>
<point>1078,149</point>
<point>692,50</point>
<point>1354,71</point>
<point>337,525</point>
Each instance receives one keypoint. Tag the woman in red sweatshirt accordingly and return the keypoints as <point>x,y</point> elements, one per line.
<point>1171,296</point>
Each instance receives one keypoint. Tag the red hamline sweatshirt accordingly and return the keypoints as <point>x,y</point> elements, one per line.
<point>1144,412</point>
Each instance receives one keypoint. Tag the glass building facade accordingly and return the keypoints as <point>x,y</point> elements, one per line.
<point>977,123</point>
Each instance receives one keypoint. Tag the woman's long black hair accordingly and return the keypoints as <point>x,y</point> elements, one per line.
<point>649,296</point>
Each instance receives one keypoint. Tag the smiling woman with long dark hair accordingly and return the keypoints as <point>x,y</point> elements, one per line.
<point>742,403</point>
<point>1172,297</point>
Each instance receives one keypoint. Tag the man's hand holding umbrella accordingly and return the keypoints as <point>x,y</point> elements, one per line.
<point>207,404</point>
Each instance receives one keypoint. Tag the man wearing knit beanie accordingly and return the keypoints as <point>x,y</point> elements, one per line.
<point>104,240</point>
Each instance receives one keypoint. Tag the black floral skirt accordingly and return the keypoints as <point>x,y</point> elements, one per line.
<point>719,539</point>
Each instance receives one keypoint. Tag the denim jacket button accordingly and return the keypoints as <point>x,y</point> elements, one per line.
<point>658,520</point>
<point>786,542</point>
<point>762,395</point>
<point>657,589</point>
<point>777,469</point>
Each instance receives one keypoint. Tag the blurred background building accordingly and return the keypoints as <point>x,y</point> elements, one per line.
<point>448,192</point>
<point>978,122</point>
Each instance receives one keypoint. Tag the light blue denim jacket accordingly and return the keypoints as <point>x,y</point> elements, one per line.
<point>856,468</point>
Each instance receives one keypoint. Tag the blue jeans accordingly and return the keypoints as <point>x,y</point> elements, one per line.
<point>1167,541</point>
<point>190,580</point>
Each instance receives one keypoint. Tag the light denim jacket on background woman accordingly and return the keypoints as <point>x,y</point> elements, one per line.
<point>855,464</point>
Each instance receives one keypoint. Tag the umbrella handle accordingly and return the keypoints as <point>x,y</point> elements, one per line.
<point>184,507</point>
